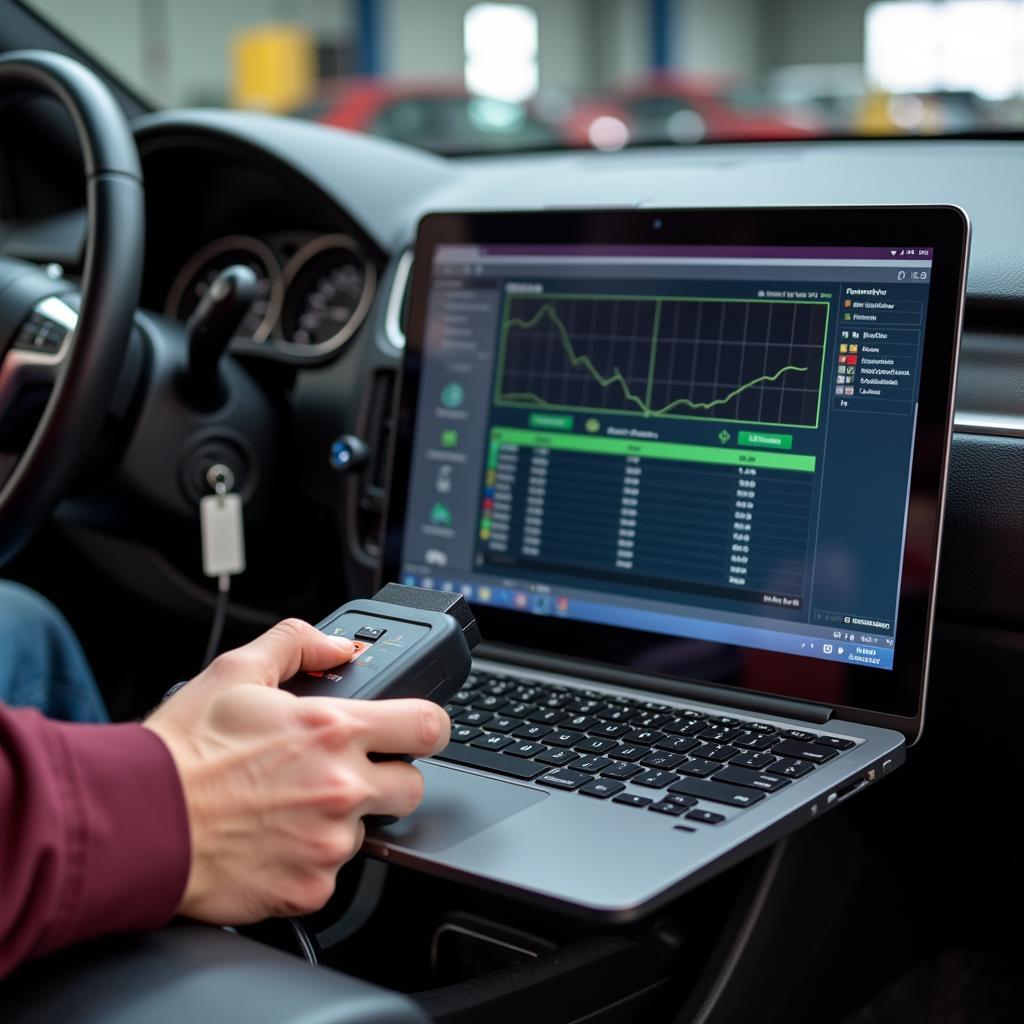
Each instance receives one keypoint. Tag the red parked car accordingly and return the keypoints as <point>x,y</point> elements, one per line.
<point>440,116</point>
<point>681,109</point>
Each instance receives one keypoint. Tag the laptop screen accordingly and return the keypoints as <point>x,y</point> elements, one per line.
<point>713,452</point>
<point>711,442</point>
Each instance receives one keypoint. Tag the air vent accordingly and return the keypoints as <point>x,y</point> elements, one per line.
<point>379,431</point>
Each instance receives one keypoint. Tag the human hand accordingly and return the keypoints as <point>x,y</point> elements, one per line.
<point>276,785</point>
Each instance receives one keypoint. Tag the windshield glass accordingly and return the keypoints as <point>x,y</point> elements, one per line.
<point>460,77</point>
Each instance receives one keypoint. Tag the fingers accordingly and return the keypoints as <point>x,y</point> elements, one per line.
<point>418,728</point>
<point>289,647</point>
<point>396,789</point>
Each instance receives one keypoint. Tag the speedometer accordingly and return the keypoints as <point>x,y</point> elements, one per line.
<point>196,276</point>
<point>329,288</point>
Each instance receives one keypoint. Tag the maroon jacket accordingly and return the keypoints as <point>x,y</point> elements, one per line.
<point>93,833</point>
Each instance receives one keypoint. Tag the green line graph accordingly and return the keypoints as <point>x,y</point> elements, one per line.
<point>617,378</point>
<point>539,347</point>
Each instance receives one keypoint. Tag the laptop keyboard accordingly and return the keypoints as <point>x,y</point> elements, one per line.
<point>669,759</point>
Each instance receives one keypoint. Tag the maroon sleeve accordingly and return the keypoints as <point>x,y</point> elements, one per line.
<point>93,833</point>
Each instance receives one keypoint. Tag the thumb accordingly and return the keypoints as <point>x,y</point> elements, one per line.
<point>289,647</point>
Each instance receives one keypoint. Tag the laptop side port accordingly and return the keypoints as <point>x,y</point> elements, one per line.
<point>854,786</point>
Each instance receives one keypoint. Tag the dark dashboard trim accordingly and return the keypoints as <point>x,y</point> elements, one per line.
<point>151,140</point>
<point>374,182</point>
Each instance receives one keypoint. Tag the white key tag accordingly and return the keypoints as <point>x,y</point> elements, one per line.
<point>220,523</point>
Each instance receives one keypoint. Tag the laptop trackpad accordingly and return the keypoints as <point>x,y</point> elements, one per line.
<point>456,805</point>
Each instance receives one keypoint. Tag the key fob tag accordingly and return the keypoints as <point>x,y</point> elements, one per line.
<point>220,523</point>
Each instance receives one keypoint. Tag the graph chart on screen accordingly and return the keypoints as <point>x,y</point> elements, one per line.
<point>755,361</point>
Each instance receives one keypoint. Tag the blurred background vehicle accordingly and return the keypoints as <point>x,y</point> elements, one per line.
<point>461,77</point>
<point>674,108</point>
<point>441,116</point>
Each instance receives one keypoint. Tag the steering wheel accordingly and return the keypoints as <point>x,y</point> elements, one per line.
<point>51,335</point>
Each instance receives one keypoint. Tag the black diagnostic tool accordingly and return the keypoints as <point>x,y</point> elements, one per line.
<point>409,643</point>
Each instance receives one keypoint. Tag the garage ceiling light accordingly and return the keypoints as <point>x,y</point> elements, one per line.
<point>500,42</point>
<point>962,45</point>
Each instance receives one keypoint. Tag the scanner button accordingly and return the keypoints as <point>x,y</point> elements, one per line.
<point>369,634</point>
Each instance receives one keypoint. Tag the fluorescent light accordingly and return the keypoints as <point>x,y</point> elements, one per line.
<point>980,46</point>
<point>500,42</point>
<point>901,46</point>
<point>961,45</point>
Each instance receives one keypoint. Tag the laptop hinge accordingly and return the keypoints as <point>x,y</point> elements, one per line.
<point>818,714</point>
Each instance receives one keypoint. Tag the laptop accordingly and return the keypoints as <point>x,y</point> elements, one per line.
<point>688,468</point>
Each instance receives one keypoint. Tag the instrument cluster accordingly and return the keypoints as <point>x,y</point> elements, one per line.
<point>314,290</point>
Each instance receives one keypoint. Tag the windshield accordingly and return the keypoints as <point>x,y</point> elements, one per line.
<point>459,77</point>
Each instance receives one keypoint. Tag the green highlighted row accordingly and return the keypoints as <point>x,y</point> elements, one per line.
<point>651,449</point>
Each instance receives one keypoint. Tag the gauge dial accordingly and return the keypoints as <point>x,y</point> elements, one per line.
<point>196,276</point>
<point>329,287</point>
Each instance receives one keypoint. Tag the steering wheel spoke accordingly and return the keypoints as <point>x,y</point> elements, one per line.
<point>38,352</point>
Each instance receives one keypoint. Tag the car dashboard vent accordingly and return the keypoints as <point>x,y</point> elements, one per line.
<point>379,433</point>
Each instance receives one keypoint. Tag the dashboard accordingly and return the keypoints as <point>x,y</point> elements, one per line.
<point>313,202</point>
<point>327,218</point>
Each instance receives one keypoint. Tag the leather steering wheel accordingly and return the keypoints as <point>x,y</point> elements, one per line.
<point>51,335</point>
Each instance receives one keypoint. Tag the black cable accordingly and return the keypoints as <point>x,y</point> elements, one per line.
<point>220,614</point>
<point>702,1006</point>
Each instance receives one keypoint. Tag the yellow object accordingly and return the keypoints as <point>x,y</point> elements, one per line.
<point>273,67</point>
<point>875,117</point>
